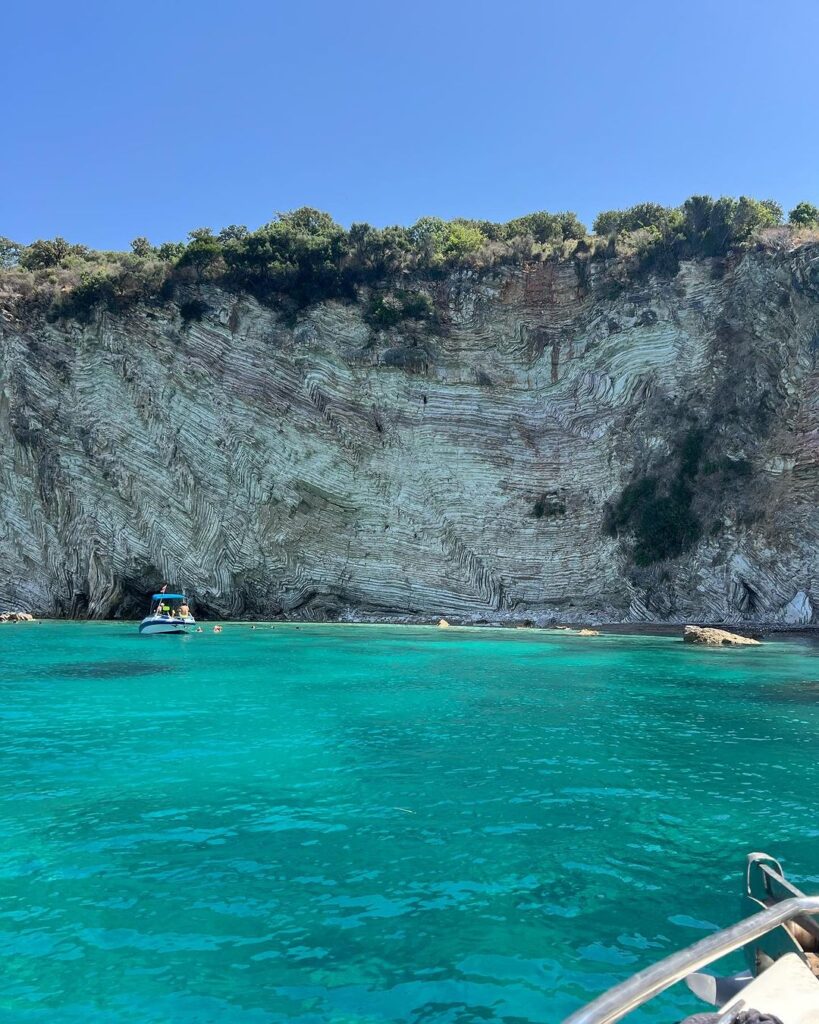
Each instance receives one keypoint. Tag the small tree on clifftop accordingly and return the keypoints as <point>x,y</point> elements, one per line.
<point>804,215</point>
<point>9,253</point>
<point>141,247</point>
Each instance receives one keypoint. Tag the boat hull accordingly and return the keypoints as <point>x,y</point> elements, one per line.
<point>157,625</point>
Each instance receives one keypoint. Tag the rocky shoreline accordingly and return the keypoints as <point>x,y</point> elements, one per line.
<point>585,627</point>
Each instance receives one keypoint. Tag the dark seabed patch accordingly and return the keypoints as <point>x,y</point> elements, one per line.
<point>106,670</point>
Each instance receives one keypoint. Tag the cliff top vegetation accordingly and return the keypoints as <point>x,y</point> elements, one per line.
<point>304,257</point>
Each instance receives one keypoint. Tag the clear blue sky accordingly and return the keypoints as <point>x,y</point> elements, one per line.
<point>122,119</point>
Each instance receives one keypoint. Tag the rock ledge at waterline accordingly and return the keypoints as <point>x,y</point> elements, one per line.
<point>715,637</point>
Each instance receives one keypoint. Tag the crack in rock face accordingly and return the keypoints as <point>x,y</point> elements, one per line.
<point>536,451</point>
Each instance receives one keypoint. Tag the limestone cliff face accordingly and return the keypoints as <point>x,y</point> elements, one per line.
<point>468,468</point>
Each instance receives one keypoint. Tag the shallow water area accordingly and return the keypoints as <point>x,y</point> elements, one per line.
<point>372,823</point>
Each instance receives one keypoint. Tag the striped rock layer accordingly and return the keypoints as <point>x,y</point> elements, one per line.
<point>462,468</point>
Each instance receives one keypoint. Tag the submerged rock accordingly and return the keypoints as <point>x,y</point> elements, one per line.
<point>714,637</point>
<point>588,632</point>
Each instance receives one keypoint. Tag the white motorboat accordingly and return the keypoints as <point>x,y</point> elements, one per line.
<point>169,613</point>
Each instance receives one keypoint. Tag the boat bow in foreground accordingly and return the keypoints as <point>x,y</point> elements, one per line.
<point>781,944</point>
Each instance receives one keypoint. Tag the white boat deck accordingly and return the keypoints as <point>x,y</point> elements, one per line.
<point>787,989</point>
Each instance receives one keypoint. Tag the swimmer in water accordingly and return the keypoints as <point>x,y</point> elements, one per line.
<point>217,629</point>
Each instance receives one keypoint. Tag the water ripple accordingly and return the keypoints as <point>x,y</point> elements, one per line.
<point>345,823</point>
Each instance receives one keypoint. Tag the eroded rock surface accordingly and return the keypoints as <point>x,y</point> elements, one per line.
<point>512,459</point>
<point>715,637</point>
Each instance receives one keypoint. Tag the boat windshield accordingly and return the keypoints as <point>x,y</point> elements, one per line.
<point>169,605</point>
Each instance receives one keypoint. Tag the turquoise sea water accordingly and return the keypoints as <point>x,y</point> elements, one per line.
<point>348,823</point>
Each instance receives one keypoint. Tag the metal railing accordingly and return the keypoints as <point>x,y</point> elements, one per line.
<point>622,999</point>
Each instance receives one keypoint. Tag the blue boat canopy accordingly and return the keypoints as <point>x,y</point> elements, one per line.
<point>158,597</point>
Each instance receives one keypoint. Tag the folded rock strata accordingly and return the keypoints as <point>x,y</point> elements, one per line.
<point>551,447</point>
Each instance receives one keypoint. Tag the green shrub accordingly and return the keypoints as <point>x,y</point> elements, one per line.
<point>376,254</point>
<point>691,451</point>
<point>202,252</point>
<point>661,236</point>
<point>667,526</point>
<point>804,215</point>
<point>142,247</point>
<point>658,515</point>
<point>298,258</point>
<point>461,240</point>
<point>112,286</point>
<point>659,255</point>
<point>437,243</point>
<point>304,257</point>
<point>712,226</point>
<point>657,510</point>
<point>546,228</point>
<point>391,308</point>
<point>9,253</point>
<point>93,291</point>
<point>233,233</point>
<point>644,215</point>
<point>635,495</point>
<point>170,252</point>
<point>53,252</point>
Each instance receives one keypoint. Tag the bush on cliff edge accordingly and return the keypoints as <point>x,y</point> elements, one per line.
<point>304,257</point>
